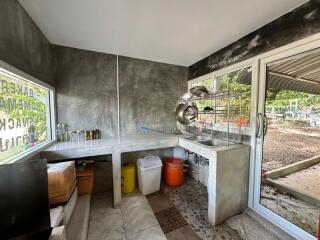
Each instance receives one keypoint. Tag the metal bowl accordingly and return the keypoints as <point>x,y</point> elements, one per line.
<point>200,91</point>
<point>186,113</point>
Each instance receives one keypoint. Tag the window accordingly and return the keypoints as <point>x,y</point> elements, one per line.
<point>208,82</point>
<point>25,114</point>
<point>238,83</point>
<point>229,112</point>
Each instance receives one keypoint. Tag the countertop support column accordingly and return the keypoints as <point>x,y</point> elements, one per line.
<point>116,172</point>
<point>211,189</point>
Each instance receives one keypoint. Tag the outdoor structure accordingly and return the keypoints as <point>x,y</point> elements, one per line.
<point>231,89</point>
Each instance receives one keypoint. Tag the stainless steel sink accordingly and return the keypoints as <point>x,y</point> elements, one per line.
<point>195,137</point>
<point>208,142</point>
<point>213,142</point>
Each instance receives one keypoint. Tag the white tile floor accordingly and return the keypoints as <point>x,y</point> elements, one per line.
<point>133,221</point>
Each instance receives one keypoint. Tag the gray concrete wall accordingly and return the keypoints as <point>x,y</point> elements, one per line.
<point>22,44</point>
<point>87,91</point>
<point>148,94</point>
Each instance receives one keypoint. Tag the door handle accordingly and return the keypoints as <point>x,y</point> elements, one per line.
<point>259,125</point>
<point>265,125</point>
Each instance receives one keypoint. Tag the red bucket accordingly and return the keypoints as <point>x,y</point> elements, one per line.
<point>174,172</point>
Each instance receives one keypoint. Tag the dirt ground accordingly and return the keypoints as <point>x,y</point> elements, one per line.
<point>286,143</point>
<point>300,213</point>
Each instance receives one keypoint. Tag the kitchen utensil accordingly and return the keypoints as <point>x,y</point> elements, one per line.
<point>180,111</point>
<point>208,109</point>
<point>186,113</point>
<point>97,134</point>
<point>191,113</point>
<point>86,135</point>
<point>200,91</point>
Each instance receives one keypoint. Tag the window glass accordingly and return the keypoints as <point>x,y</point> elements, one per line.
<point>230,109</point>
<point>238,84</point>
<point>24,115</point>
<point>204,119</point>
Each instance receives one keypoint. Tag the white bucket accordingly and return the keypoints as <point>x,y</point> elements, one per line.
<point>149,174</point>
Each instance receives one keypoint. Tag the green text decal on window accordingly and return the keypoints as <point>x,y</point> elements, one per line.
<point>24,115</point>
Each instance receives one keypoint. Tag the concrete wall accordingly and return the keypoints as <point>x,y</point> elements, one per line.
<point>87,91</point>
<point>22,44</point>
<point>148,94</point>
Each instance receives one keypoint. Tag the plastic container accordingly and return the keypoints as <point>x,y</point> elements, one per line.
<point>174,172</point>
<point>128,178</point>
<point>149,174</point>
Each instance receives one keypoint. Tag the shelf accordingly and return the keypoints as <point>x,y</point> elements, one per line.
<point>214,112</point>
<point>210,97</point>
<point>213,96</point>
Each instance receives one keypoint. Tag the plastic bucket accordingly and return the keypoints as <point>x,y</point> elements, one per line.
<point>128,178</point>
<point>174,172</point>
<point>149,174</point>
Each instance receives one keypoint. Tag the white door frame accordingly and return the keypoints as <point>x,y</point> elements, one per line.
<point>258,64</point>
<point>289,227</point>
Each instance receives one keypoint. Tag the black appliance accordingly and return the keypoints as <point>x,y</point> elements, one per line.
<point>24,204</point>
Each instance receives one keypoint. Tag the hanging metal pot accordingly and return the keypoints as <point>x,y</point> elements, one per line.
<point>200,91</point>
<point>186,113</point>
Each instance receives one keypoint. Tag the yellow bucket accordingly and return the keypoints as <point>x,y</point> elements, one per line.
<point>128,178</point>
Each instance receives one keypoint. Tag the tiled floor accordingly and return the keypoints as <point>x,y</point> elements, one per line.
<point>135,219</point>
<point>139,217</point>
<point>170,219</point>
<point>191,199</point>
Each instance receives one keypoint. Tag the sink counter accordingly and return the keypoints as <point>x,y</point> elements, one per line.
<point>78,149</point>
<point>204,150</point>
<point>228,166</point>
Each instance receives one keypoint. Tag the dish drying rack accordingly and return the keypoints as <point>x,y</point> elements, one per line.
<point>218,109</point>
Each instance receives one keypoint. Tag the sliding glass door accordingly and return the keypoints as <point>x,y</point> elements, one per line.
<point>287,170</point>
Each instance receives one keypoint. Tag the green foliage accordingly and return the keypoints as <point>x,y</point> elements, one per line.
<point>240,94</point>
<point>37,114</point>
<point>283,97</point>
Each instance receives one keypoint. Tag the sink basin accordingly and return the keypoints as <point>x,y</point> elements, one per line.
<point>195,137</point>
<point>213,142</point>
<point>208,142</point>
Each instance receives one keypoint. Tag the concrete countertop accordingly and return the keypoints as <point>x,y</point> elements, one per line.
<point>78,149</point>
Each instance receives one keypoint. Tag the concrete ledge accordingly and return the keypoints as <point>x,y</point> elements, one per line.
<point>293,167</point>
<point>299,194</point>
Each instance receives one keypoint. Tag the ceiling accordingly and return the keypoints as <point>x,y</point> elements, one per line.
<point>179,32</point>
